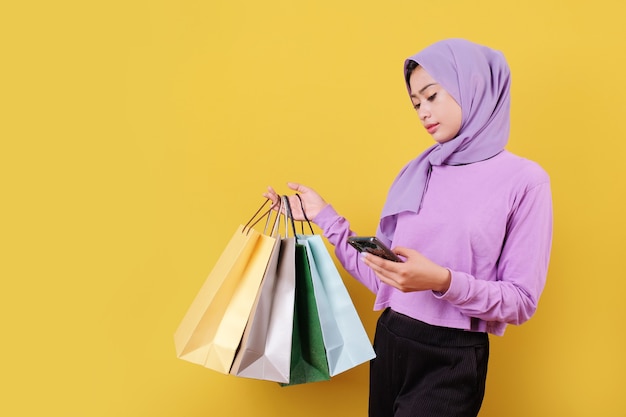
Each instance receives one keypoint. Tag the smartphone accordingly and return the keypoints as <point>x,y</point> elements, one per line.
<point>371,244</point>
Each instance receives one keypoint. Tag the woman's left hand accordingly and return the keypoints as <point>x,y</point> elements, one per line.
<point>417,273</point>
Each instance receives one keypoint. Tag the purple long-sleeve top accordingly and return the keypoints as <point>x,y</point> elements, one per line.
<point>489,223</point>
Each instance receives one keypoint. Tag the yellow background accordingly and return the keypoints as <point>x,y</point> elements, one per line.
<point>137,135</point>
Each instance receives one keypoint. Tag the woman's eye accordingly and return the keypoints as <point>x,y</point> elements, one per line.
<point>416,106</point>
<point>431,98</point>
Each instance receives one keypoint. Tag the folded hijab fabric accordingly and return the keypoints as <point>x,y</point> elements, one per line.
<point>479,79</point>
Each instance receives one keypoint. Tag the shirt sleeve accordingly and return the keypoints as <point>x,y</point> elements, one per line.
<point>521,270</point>
<point>337,230</point>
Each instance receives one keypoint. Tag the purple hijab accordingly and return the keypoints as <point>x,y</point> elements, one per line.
<point>478,78</point>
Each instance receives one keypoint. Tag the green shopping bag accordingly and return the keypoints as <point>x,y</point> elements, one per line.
<point>308,355</point>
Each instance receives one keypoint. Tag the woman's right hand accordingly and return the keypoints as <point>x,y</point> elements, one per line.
<point>313,203</point>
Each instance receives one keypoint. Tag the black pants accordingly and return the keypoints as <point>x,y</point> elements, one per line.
<point>426,371</point>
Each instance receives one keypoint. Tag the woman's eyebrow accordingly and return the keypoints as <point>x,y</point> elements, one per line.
<point>423,88</point>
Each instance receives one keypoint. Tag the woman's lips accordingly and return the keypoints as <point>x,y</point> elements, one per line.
<point>432,128</point>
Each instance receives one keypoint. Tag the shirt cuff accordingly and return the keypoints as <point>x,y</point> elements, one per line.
<point>326,217</point>
<point>459,287</point>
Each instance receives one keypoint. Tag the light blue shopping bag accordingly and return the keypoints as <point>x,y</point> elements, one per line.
<point>346,342</point>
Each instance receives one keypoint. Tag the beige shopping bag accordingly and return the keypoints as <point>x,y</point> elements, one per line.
<point>211,330</point>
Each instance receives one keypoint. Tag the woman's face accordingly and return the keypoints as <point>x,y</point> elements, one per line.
<point>438,111</point>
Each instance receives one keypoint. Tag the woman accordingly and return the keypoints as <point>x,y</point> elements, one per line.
<point>473,223</point>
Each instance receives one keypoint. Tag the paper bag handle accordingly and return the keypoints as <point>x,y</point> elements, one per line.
<point>304,214</point>
<point>249,226</point>
<point>289,214</point>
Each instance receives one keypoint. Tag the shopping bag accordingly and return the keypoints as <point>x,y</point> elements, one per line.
<point>309,362</point>
<point>211,330</point>
<point>308,354</point>
<point>346,341</point>
<point>347,344</point>
<point>265,350</point>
